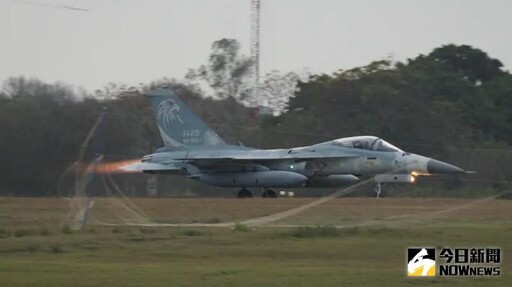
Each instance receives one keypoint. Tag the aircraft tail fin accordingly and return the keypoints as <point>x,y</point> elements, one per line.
<point>178,124</point>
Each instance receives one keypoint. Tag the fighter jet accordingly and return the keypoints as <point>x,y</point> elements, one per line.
<point>194,150</point>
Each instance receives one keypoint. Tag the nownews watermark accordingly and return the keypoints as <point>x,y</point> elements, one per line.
<point>453,262</point>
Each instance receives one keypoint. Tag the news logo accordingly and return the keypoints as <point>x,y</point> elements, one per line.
<point>421,262</point>
<point>454,262</point>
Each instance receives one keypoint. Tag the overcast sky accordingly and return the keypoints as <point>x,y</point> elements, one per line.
<point>134,41</point>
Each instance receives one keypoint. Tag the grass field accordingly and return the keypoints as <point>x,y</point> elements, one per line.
<point>366,249</point>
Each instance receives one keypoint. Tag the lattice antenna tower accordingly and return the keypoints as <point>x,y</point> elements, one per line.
<point>255,47</point>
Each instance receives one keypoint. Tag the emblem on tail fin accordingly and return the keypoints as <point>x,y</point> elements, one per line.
<point>168,111</point>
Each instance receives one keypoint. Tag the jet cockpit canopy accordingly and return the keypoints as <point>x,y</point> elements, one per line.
<point>367,143</point>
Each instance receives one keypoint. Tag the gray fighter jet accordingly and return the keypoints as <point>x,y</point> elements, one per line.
<point>192,149</point>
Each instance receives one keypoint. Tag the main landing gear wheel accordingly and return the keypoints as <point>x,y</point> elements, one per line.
<point>269,193</point>
<point>244,193</point>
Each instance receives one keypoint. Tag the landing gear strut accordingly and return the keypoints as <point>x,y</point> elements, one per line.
<point>269,193</point>
<point>244,193</point>
<point>378,189</point>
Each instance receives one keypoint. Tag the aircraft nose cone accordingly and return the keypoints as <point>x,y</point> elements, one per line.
<point>439,167</point>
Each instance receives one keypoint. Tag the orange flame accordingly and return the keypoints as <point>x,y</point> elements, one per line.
<point>113,167</point>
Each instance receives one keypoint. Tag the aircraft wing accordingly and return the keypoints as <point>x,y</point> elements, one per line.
<point>270,157</point>
<point>225,162</point>
<point>253,162</point>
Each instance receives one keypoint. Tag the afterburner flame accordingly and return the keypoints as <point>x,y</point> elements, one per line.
<point>113,167</point>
